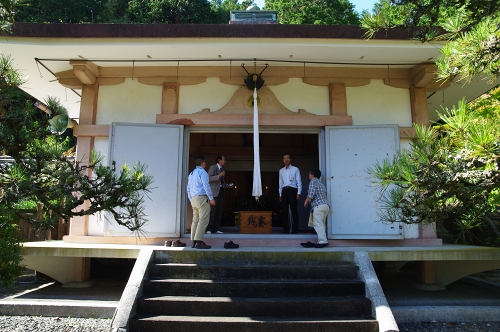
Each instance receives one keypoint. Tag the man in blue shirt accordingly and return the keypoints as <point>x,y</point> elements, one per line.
<point>200,196</point>
<point>319,208</point>
<point>290,187</point>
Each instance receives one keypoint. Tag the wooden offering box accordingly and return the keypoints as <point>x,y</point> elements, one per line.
<point>255,222</point>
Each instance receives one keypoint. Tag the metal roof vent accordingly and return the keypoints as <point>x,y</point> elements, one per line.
<point>253,15</point>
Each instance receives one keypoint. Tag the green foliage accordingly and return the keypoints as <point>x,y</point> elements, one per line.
<point>471,27</point>
<point>10,248</point>
<point>221,9</point>
<point>385,16</point>
<point>42,177</point>
<point>313,11</point>
<point>170,11</point>
<point>118,11</point>
<point>450,172</point>
<point>474,52</point>
<point>58,11</point>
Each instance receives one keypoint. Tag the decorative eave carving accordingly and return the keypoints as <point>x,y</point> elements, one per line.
<point>421,76</point>
<point>86,71</point>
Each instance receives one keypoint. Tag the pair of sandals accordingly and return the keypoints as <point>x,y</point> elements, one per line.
<point>313,245</point>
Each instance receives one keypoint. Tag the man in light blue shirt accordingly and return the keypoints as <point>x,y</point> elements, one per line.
<point>200,196</point>
<point>290,188</point>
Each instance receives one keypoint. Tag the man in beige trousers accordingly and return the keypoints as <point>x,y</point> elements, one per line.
<point>200,196</point>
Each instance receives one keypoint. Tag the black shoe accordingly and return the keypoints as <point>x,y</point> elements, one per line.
<point>320,245</point>
<point>194,244</point>
<point>308,244</point>
<point>231,245</point>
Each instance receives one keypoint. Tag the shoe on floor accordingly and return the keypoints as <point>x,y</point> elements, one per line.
<point>202,245</point>
<point>194,244</point>
<point>168,243</point>
<point>308,244</point>
<point>219,232</point>
<point>178,243</point>
<point>320,245</point>
<point>208,232</point>
<point>231,245</point>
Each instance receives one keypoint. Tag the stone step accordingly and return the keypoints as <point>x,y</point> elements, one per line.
<point>331,307</point>
<point>226,271</point>
<point>254,288</point>
<point>256,256</point>
<point>249,324</point>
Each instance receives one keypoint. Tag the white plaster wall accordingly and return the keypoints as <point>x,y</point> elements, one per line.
<point>212,94</point>
<point>130,101</point>
<point>404,144</point>
<point>96,221</point>
<point>377,103</point>
<point>295,95</point>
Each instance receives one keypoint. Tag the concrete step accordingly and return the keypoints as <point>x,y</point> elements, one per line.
<point>249,324</point>
<point>58,308</point>
<point>254,288</point>
<point>253,256</point>
<point>226,271</point>
<point>331,307</point>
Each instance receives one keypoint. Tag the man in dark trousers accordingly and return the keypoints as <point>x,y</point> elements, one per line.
<point>290,188</point>
<point>216,174</point>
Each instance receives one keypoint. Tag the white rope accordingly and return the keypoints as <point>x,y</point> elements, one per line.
<point>257,182</point>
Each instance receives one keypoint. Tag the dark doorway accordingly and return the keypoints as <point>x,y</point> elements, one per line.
<point>238,150</point>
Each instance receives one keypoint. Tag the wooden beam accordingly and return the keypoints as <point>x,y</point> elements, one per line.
<point>88,105</point>
<point>438,85</point>
<point>239,80</point>
<point>338,99</point>
<point>110,80</point>
<point>91,130</point>
<point>398,83</point>
<point>86,71</point>
<point>407,132</point>
<point>423,77</point>
<point>346,81</point>
<point>271,72</point>
<point>71,83</point>
<point>235,120</point>
<point>419,108</point>
<point>84,74</point>
<point>184,80</point>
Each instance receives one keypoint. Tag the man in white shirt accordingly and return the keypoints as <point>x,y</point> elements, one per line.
<point>290,188</point>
